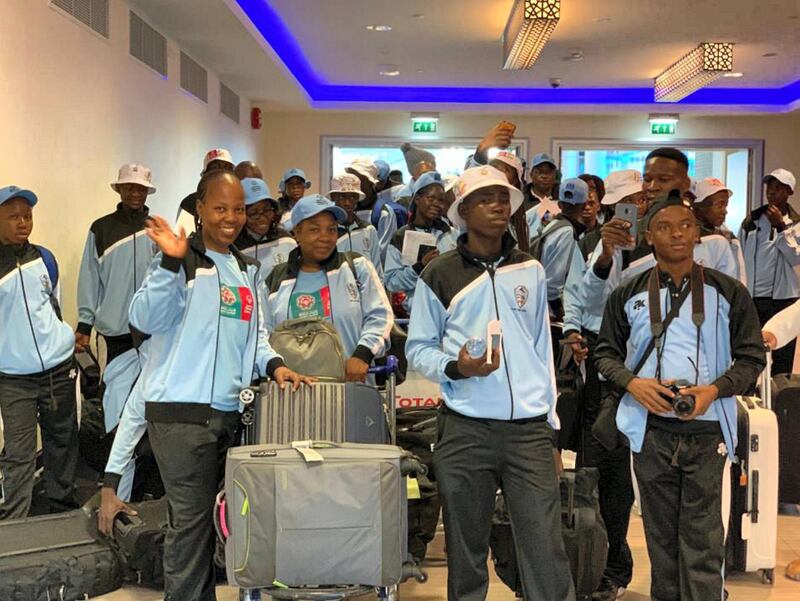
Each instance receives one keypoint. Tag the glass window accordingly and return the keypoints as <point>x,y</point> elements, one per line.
<point>735,162</point>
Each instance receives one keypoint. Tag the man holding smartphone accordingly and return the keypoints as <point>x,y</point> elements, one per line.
<point>495,428</point>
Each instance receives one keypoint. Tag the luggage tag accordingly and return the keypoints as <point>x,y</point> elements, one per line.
<point>304,447</point>
<point>412,489</point>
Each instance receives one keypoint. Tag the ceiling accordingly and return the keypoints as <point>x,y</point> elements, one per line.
<point>297,54</point>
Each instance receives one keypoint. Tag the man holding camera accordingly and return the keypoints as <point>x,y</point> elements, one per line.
<point>694,345</point>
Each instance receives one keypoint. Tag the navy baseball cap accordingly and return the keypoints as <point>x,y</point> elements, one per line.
<point>311,205</point>
<point>255,190</point>
<point>573,191</point>
<point>10,192</point>
<point>541,159</point>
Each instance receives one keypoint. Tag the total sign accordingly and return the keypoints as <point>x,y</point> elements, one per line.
<point>417,393</point>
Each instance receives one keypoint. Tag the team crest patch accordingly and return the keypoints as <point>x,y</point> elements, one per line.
<point>305,302</point>
<point>521,296</point>
<point>45,284</point>
<point>352,292</point>
<point>236,302</point>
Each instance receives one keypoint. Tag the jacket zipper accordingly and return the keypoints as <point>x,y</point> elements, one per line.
<point>502,346</point>
<point>216,341</point>
<point>28,312</point>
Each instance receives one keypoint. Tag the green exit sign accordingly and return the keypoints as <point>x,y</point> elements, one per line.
<point>662,129</point>
<point>425,127</point>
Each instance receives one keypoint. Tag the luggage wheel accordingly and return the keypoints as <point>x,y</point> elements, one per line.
<point>768,576</point>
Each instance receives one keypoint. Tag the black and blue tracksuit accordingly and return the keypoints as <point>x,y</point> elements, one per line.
<point>37,382</point>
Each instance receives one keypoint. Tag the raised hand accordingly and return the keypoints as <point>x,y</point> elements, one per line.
<point>171,244</point>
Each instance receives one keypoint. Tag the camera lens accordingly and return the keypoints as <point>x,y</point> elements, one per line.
<point>683,405</point>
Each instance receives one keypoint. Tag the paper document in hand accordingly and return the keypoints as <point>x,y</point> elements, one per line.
<point>416,245</point>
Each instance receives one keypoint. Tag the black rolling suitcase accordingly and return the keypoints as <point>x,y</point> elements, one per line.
<point>786,404</point>
<point>585,537</point>
<point>55,557</point>
<point>140,541</point>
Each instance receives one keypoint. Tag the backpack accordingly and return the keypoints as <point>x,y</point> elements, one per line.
<point>310,345</point>
<point>400,212</point>
<point>537,242</point>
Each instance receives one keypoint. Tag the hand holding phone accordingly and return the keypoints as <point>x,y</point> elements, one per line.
<point>630,213</point>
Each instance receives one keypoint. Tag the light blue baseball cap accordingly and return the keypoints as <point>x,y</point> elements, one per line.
<point>426,179</point>
<point>255,190</point>
<point>573,191</point>
<point>289,174</point>
<point>10,192</point>
<point>383,170</point>
<point>541,159</point>
<point>311,205</point>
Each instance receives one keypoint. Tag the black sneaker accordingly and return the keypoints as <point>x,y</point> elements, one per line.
<point>608,591</point>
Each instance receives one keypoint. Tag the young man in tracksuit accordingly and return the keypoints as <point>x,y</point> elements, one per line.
<point>696,329</point>
<point>115,259</point>
<point>710,208</point>
<point>612,459</point>
<point>770,238</point>
<point>261,238</point>
<point>216,159</point>
<point>559,242</point>
<point>496,425</point>
<point>37,374</point>
<point>386,221</point>
<point>355,234</point>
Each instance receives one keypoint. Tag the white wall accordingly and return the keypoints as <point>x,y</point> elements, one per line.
<point>75,106</point>
<point>293,139</point>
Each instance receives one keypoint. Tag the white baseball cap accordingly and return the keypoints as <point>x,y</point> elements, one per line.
<point>474,179</point>
<point>620,184</point>
<point>133,173</point>
<point>217,154</point>
<point>783,176</point>
<point>346,183</point>
<point>365,167</point>
<point>706,187</point>
<point>509,158</point>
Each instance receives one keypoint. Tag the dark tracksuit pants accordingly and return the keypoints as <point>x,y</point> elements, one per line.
<point>48,397</point>
<point>680,487</point>
<point>615,485</point>
<point>783,358</point>
<point>472,459</point>
<point>116,345</point>
<point>191,458</point>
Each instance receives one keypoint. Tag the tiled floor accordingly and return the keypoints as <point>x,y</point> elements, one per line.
<point>741,587</point>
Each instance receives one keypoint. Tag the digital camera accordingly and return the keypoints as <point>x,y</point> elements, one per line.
<point>682,404</point>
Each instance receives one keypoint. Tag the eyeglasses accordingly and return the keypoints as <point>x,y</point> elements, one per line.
<point>259,214</point>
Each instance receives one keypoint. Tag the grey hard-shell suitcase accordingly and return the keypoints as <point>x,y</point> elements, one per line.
<point>351,412</point>
<point>318,515</point>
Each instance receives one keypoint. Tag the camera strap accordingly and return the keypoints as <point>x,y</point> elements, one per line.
<point>658,328</point>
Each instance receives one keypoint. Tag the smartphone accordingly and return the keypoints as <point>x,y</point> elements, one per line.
<point>630,213</point>
<point>510,127</point>
<point>494,337</point>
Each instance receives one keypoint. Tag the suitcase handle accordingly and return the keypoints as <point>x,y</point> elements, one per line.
<point>765,380</point>
<point>220,517</point>
<point>388,369</point>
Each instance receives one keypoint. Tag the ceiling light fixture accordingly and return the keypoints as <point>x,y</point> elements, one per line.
<point>733,74</point>
<point>529,26</point>
<point>770,54</point>
<point>380,28</point>
<point>575,56</point>
<point>664,118</point>
<point>706,63</point>
<point>389,70</point>
<point>424,116</point>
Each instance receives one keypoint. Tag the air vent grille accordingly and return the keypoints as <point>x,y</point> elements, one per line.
<point>228,102</point>
<point>92,13</point>
<point>148,45</point>
<point>194,79</point>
